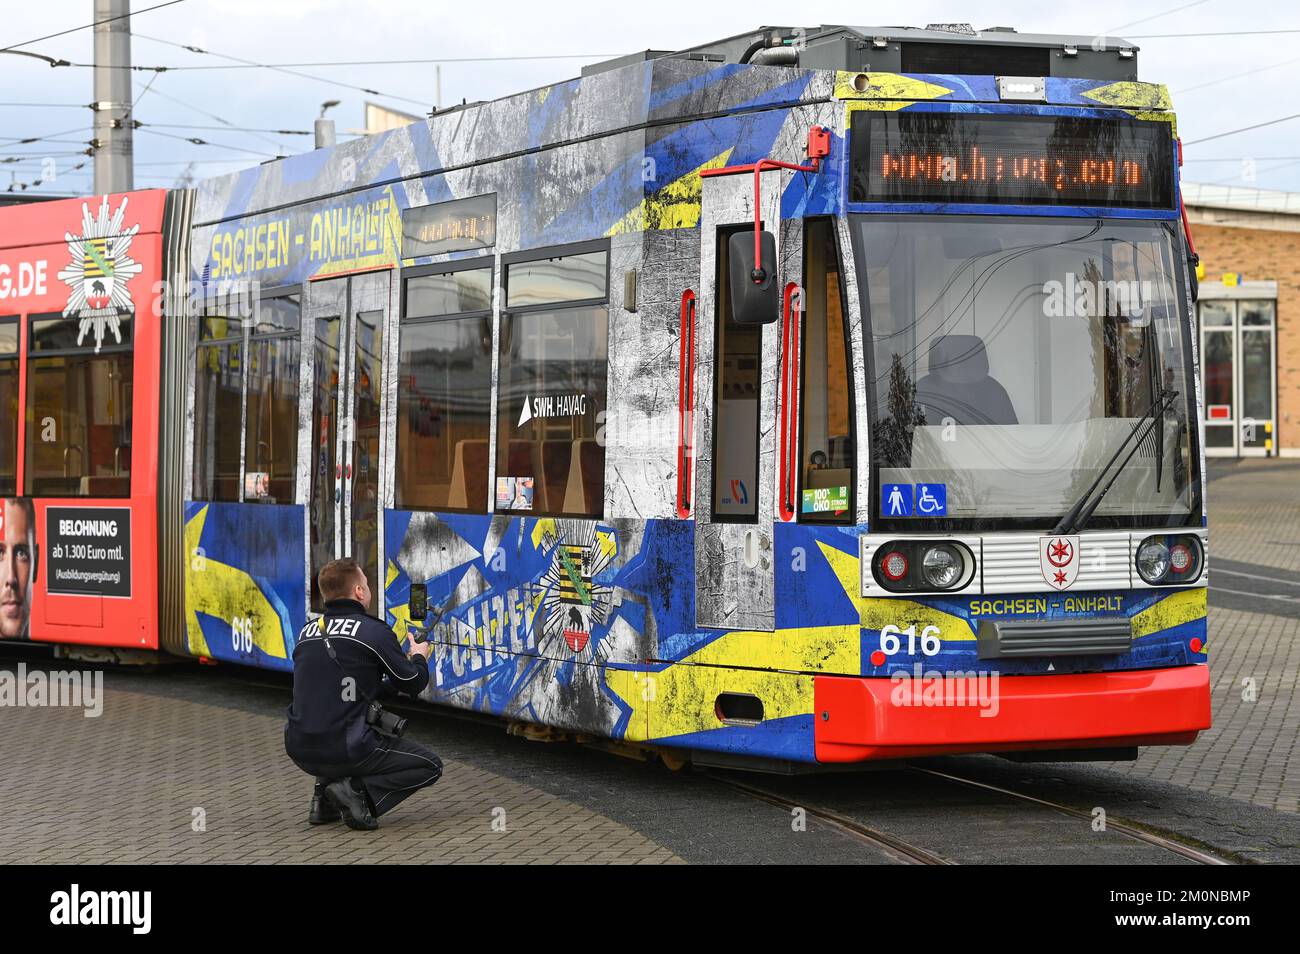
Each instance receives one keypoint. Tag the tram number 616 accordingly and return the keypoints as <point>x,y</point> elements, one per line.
<point>891,643</point>
<point>241,634</point>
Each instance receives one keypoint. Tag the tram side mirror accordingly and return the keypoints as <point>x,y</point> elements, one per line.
<point>753,303</point>
<point>1193,263</point>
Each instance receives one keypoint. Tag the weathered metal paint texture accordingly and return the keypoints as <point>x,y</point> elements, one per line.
<point>243,598</point>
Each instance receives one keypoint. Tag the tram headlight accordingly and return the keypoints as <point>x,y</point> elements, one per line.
<point>903,566</point>
<point>942,567</point>
<point>1169,560</point>
<point>1153,561</point>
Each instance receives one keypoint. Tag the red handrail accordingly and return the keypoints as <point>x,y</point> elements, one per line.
<point>686,406</point>
<point>789,446</point>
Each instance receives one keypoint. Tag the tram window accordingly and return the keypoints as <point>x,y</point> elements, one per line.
<point>278,314</point>
<point>826,475</point>
<point>218,379</point>
<point>735,402</point>
<point>8,406</point>
<point>549,410</point>
<point>448,293</point>
<point>78,410</point>
<point>271,438</point>
<point>1012,355</point>
<point>444,392</point>
<point>550,281</point>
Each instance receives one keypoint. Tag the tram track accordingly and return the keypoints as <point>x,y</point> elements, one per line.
<point>892,846</point>
<point>907,851</point>
<point>1144,835</point>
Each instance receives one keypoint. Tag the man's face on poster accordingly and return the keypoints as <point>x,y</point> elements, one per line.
<point>15,569</point>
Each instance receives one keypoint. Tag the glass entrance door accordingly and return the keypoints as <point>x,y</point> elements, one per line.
<point>347,317</point>
<point>1239,361</point>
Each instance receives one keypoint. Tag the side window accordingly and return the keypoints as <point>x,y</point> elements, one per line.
<point>8,407</point>
<point>551,401</point>
<point>444,390</point>
<point>271,436</point>
<point>218,379</point>
<point>78,409</point>
<point>735,404</point>
<point>826,429</point>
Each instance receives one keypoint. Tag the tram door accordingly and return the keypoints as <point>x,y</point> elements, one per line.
<point>735,406</point>
<point>347,325</point>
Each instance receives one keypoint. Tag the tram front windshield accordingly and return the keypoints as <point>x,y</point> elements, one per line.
<point>1011,357</point>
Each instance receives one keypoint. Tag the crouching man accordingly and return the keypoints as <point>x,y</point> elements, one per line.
<point>336,729</point>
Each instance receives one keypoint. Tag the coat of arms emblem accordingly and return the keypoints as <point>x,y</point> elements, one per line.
<point>98,274</point>
<point>1058,557</point>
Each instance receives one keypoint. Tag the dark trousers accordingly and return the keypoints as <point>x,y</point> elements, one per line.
<point>395,770</point>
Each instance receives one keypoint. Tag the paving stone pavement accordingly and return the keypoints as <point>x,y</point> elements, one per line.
<point>1254,509</point>
<point>133,784</point>
<point>1252,752</point>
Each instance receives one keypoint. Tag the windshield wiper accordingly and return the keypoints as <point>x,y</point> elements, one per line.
<point>1153,382</point>
<point>1085,506</point>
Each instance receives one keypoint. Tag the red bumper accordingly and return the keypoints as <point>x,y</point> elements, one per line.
<point>861,719</point>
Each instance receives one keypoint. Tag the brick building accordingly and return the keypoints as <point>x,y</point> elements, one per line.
<point>1249,317</point>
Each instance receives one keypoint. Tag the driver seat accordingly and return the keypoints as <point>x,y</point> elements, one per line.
<point>959,386</point>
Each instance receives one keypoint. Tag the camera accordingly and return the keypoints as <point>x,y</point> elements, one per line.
<point>389,723</point>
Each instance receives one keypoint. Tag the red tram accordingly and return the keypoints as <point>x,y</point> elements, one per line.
<point>81,418</point>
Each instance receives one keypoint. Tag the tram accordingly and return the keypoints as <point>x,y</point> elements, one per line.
<point>812,396</point>
<point>85,404</point>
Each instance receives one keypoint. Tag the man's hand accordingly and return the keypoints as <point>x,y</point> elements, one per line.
<point>418,649</point>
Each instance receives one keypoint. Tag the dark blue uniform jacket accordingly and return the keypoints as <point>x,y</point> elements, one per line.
<point>327,720</point>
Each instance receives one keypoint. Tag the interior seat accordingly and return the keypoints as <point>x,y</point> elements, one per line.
<point>959,386</point>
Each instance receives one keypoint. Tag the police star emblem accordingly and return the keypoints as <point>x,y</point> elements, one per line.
<point>98,275</point>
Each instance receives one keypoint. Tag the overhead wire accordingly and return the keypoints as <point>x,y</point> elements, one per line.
<point>87,26</point>
<point>279,69</point>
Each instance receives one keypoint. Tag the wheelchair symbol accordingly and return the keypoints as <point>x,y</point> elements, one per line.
<point>931,499</point>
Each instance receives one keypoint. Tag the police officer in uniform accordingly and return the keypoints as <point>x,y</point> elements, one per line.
<point>339,664</point>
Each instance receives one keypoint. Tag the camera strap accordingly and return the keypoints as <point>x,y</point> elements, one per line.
<point>329,648</point>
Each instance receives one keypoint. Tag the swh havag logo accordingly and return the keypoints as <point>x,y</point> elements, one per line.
<point>99,271</point>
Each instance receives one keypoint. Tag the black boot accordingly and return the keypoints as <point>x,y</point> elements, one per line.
<point>323,811</point>
<point>354,805</point>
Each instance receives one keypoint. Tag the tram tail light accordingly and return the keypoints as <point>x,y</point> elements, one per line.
<point>894,565</point>
<point>1169,559</point>
<point>923,565</point>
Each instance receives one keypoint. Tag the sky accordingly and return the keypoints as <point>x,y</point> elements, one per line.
<point>1203,73</point>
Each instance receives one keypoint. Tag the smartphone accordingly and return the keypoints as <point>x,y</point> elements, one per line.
<point>418,604</point>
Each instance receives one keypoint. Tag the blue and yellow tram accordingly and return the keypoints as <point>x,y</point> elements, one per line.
<point>812,396</point>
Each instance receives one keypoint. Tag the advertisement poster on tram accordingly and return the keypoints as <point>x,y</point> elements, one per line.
<point>18,563</point>
<point>88,551</point>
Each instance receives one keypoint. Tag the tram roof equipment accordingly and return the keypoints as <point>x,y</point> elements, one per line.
<point>953,48</point>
